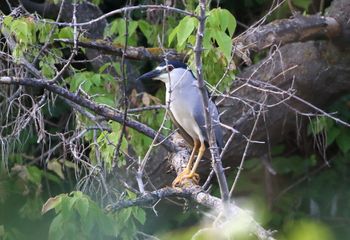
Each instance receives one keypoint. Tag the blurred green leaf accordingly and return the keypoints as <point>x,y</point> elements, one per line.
<point>66,32</point>
<point>308,230</point>
<point>34,174</point>
<point>185,29</point>
<point>225,43</point>
<point>343,141</point>
<point>140,215</point>
<point>304,4</point>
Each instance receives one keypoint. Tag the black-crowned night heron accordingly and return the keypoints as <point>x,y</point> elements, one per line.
<point>186,111</point>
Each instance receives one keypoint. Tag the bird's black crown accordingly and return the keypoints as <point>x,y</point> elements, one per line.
<point>176,64</point>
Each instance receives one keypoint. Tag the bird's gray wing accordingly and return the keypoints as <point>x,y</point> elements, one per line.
<point>216,124</point>
<point>200,119</point>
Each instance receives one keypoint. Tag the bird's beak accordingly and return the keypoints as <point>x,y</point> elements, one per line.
<point>149,75</point>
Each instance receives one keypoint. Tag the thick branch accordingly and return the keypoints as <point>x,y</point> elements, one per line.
<point>84,102</point>
<point>280,32</point>
<point>196,194</point>
<point>124,9</point>
<point>134,53</point>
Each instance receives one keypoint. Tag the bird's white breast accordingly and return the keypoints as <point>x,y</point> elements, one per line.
<point>183,94</point>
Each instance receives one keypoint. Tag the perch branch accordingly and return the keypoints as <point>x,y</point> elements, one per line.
<point>196,194</point>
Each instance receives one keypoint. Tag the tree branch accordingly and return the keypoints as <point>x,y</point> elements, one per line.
<point>122,10</point>
<point>281,32</point>
<point>214,150</point>
<point>197,194</point>
<point>84,102</point>
<point>134,53</point>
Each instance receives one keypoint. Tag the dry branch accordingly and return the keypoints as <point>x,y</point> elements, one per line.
<point>134,53</point>
<point>87,103</point>
<point>197,194</point>
<point>281,32</point>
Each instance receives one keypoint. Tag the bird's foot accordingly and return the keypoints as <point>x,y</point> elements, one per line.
<point>186,174</point>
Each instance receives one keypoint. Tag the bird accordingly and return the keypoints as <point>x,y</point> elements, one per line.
<point>184,100</point>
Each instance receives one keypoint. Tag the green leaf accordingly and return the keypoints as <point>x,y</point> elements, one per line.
<point>66,32</point>
<point>140,215</point>
<point>47,70</point>
<point>304,4</point>
<point>132,26</point>
<point>131,194</point>
<point>213,19</point>
<point>56,167</point>
<point>343,141</point>
<point>207,44</point>
<point>96,79</point>
<point>104,67</point>
<point>82,205</point>
<point>7,21</point>
<point>186,27</point>
<point>105,100</point>
<point>224,42</point>
<point>97,2</point>
<point>172,35</point>
<point>332,134</point>
<point>227,21</point>
<point>125,214</point>
<point>34,174</point>
<point>146,29</point>
<point>44,30</point>
<point>78,79</point>
<point>56,226</point>
<point>23,31</point>
<point>89,221</point>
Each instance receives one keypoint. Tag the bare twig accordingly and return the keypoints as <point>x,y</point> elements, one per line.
<point>87,103</point>
<point>214,150</point>
<point>134,53</point>
<point>124,83</point>
<point>122,10</point>
<point>196,194</point>
<point>240,168</point>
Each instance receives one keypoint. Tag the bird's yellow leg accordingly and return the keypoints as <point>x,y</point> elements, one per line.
<point>194,151</point>
<point>193,175</point>
<point>187,170</point>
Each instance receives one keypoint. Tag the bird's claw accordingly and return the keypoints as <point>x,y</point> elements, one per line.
<point>186,174</point>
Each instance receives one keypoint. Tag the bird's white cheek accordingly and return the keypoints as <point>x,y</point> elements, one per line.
<point>164,78</point>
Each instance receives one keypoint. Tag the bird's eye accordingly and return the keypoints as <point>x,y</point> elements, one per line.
<point>170,68</point>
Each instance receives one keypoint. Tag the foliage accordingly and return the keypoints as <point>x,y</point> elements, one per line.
<point>77,215</point>
<point>310,185</point>
<point>217,43</point>
<point>25,183</point>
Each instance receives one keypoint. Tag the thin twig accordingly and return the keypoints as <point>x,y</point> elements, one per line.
<point>214,150</point>
<point>122,10</point>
